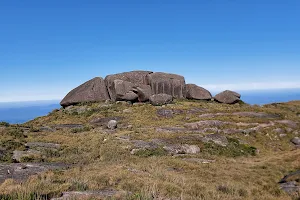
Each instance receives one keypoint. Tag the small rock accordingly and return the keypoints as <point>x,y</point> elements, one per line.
<point>112,124</point>
<point>127,110</point>
<point>164,113</point>
<point>181,149</point>
<point>160,99</point>
<point>19,155</point>
<point>216,138</point>
<point>282,135</point>
<point>296,141</point>
<point>279,130</point>
<point>42,145</point>
<point>199,160</point>
<point>87,195</point>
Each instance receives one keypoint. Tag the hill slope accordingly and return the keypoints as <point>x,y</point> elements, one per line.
<point>185,150</point>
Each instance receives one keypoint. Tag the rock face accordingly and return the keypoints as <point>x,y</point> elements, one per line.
<point>90,91</point>
<point>228,97</point>
<point>195,92</point>
<point>136,78</point>
<point>160,99</point>
<point>171,84</point>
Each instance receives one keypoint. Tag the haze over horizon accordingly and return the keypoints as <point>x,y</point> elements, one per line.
<point>48,48</point>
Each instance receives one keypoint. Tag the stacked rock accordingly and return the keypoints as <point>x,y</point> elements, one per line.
<point>141,86</point>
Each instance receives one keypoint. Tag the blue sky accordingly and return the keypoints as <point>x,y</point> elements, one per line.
<point>49,47</point>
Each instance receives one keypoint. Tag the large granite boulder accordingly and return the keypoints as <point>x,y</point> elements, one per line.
<point>90,91</point>
<point>195,92</point>
<point>122,90</point>
<point>160,99</point>
<point>228,97</point>
<point>137,78</point>
<point>171,84</point>
<point>144,92</point>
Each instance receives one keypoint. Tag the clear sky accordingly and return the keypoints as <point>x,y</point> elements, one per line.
<point>49,47</point>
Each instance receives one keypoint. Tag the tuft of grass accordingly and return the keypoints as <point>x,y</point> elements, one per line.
<point>79,130</point>
<point>233,149</point>
<point>151,152</point>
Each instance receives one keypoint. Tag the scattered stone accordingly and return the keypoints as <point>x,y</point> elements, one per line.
<point>197,110</point>
<point>289,123</point>
<point>296,141</point>
<point>160,99</point>
<point>20,172</point>
<point>282,135</point>
<point>279,131</point>
<point>228,97</point>
<point>171,84</point>
<point>42,145</point>
<point>202,124</point>
<point>46,129</point>
<point>68,126</point>
<point>112,124</point>
<point>108,193</point>
<point>291,183</point>
<point>165,113</point>
<point>195,92</point>
<point>199,160</point>
<point>90,91</point>
<point>182,149</point>
<point>128,110</point>
<point>216,138</point>
<point>257,115</point>
<point>140,144</point>
<point>18,156</point>
<point>104,121</point>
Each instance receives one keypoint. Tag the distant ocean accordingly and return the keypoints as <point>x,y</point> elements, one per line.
<point>21,112</point>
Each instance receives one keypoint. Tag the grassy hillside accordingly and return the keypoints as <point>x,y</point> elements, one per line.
<point>135,159</point>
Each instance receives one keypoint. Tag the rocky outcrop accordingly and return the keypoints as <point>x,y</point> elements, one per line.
<point>228,97</point>
<point>136,78</point>
<point>122,90</point>
<point>171,84</point>
<point>290,183</point>
<point>195,92</point>
<point>90,91</point>
<point>139,86</point>
<point>160,99</point>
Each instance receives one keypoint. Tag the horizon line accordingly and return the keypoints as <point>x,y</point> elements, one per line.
<point>213,89</point>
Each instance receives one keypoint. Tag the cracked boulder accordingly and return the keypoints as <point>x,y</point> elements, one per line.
<point>164,83</point>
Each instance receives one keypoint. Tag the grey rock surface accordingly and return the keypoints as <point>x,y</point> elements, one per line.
<point>228,97</point>
<point>134,77</point>
<point>196,92</point>
<point>164,83</point>
<point>160,99</point>
<point>91,91</point>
